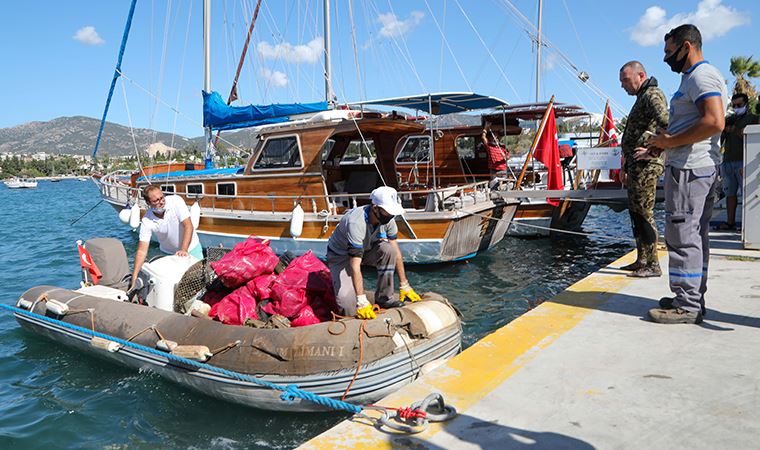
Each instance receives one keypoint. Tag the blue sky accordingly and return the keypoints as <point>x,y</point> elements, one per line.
<point>60,56</point>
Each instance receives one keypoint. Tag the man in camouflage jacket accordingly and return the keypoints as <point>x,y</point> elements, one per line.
<point>649,112</point>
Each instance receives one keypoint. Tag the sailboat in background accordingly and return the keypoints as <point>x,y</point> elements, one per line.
<point>296,186</point>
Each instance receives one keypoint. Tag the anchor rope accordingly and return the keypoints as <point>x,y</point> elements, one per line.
<point>289,392</point>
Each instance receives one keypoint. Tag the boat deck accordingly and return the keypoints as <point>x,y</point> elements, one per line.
<point>587,369</point>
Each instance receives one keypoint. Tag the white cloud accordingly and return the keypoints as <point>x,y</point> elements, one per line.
<point>309,53</point>
<point>88,35</point>
<point>711,17</point>
<point>393,27</point>
<point>274,78</point>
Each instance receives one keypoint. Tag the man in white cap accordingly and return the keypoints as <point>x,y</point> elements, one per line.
<point>367,236</point>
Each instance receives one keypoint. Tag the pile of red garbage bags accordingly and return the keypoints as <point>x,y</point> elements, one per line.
<point>302,292</point>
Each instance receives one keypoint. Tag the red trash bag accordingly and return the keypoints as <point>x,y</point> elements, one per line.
<point>235,308</point>
<point>214,297</point>
<point>306,282</point>
<point>261,286</point>
<point>304,318</point>
<point>246,261</point>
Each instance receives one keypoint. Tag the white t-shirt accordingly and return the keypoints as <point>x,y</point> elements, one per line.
<point>169,229</point>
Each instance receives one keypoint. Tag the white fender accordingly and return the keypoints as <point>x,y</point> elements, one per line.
<point>296,221</point>
<point>124,215</point>
<point>195,215</point>
<point>134,216</point>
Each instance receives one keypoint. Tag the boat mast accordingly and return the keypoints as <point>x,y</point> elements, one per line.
<point>209,162</point>
<point>329,94</point>
<point>538,51</point>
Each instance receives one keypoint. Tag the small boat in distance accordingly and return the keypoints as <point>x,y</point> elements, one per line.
<point>20,183</point>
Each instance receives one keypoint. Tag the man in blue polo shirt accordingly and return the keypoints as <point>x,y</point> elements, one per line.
<point>691,146</point>
<point>367,236</point>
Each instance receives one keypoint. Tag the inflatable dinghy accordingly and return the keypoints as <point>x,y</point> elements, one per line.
<point>360,361</point>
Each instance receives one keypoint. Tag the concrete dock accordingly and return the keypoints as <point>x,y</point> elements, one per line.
<point>587,369</point>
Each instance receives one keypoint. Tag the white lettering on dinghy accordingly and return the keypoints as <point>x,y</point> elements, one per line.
<point>311,351</point>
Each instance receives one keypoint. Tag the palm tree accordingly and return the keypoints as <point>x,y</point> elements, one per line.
<point>743,67</point>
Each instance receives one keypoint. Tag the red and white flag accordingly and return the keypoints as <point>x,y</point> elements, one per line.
<point>88,265</point>
<point>609,138</point>
<point>547,151</point>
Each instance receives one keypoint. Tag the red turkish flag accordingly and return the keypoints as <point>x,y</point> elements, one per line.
<point>547,151</point>
<point>85,260</point>
<point>609,138</point>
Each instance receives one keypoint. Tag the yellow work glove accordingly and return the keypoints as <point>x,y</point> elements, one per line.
<point>407,293</point>
<point>364,309</point>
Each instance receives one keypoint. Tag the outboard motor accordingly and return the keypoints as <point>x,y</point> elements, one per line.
<point>158,280</point>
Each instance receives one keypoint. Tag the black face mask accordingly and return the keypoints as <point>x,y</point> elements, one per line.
<point>676,65</point>
<point>382,217</point>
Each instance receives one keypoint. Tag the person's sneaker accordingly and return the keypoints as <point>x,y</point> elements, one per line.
<point>667,303</point>
<point>677,315</point>
<point>633,266</point>
<point>646,272</point>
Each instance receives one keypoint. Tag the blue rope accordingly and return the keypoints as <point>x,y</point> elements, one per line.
<point>116,74</point>
<point>289,392</point>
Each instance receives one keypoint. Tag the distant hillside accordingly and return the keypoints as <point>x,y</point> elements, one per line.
<point>76,136</point>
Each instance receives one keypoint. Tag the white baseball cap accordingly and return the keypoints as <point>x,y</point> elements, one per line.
<point>387,198</point>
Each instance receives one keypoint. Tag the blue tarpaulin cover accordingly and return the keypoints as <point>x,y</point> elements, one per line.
<point>220,116</point>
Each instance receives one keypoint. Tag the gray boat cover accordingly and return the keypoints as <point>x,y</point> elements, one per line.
<point>111,258</point>
<point>324,347</point>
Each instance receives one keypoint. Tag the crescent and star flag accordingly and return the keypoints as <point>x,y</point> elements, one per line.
<point>547,151</point>
<point>85,260</point>
<point>609,137</point>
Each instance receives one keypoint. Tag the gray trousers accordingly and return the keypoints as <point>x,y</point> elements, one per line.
<point>689,198</point>
<point>381,255</point>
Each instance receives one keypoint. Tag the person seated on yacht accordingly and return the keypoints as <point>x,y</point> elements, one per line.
<point>366,235</point>
<point>169,218</point>
<point>497,155</point>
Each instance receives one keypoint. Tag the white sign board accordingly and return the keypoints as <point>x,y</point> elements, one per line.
<point>604,158</point>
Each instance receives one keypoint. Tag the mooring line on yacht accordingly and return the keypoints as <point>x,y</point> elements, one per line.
<point>558,230</point>
<point>88,212</point>
<point>413,419</point>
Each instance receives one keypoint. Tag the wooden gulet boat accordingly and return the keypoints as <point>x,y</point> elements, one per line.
<point>303,163</point>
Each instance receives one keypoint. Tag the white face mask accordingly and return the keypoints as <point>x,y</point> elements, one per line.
<point>740,111</point>
<point>158,210</point>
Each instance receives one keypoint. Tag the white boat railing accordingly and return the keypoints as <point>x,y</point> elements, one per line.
<point>115,190</point>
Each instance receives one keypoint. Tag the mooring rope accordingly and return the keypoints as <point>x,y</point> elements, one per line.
<point>558,230</point>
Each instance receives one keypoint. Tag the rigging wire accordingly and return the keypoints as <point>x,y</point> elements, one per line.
<point>446,41</point>
<point>131,128</point>
<point>488,50</point>
<point>577,36</point>
<point>359,83</point>
<point>179,113</point>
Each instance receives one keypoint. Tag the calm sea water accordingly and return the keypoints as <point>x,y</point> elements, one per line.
<point>51,396</point>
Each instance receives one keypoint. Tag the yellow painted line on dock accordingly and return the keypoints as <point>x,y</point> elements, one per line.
<point>474,373</point>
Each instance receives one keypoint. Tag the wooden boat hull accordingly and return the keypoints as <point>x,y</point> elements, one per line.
<point>437,237</point>
<point>407,358</point>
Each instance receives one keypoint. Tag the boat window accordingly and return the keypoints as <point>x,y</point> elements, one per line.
<point>416,149</point>
<point>327,148</point>
<point>226,189</point>
<point>279,153</point>
<point>359,152</point>
<point>466,147</point>
<point>194,188</point>
<point>169,188</point>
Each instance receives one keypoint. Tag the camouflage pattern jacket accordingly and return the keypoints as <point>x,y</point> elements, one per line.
<point>649,112</point>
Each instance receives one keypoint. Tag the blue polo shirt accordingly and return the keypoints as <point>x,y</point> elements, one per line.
<point>354,234</point>
<point>701,81</point>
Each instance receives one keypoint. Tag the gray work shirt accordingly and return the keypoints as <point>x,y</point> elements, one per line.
<point>698,83</point>
<point>354,234</point>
